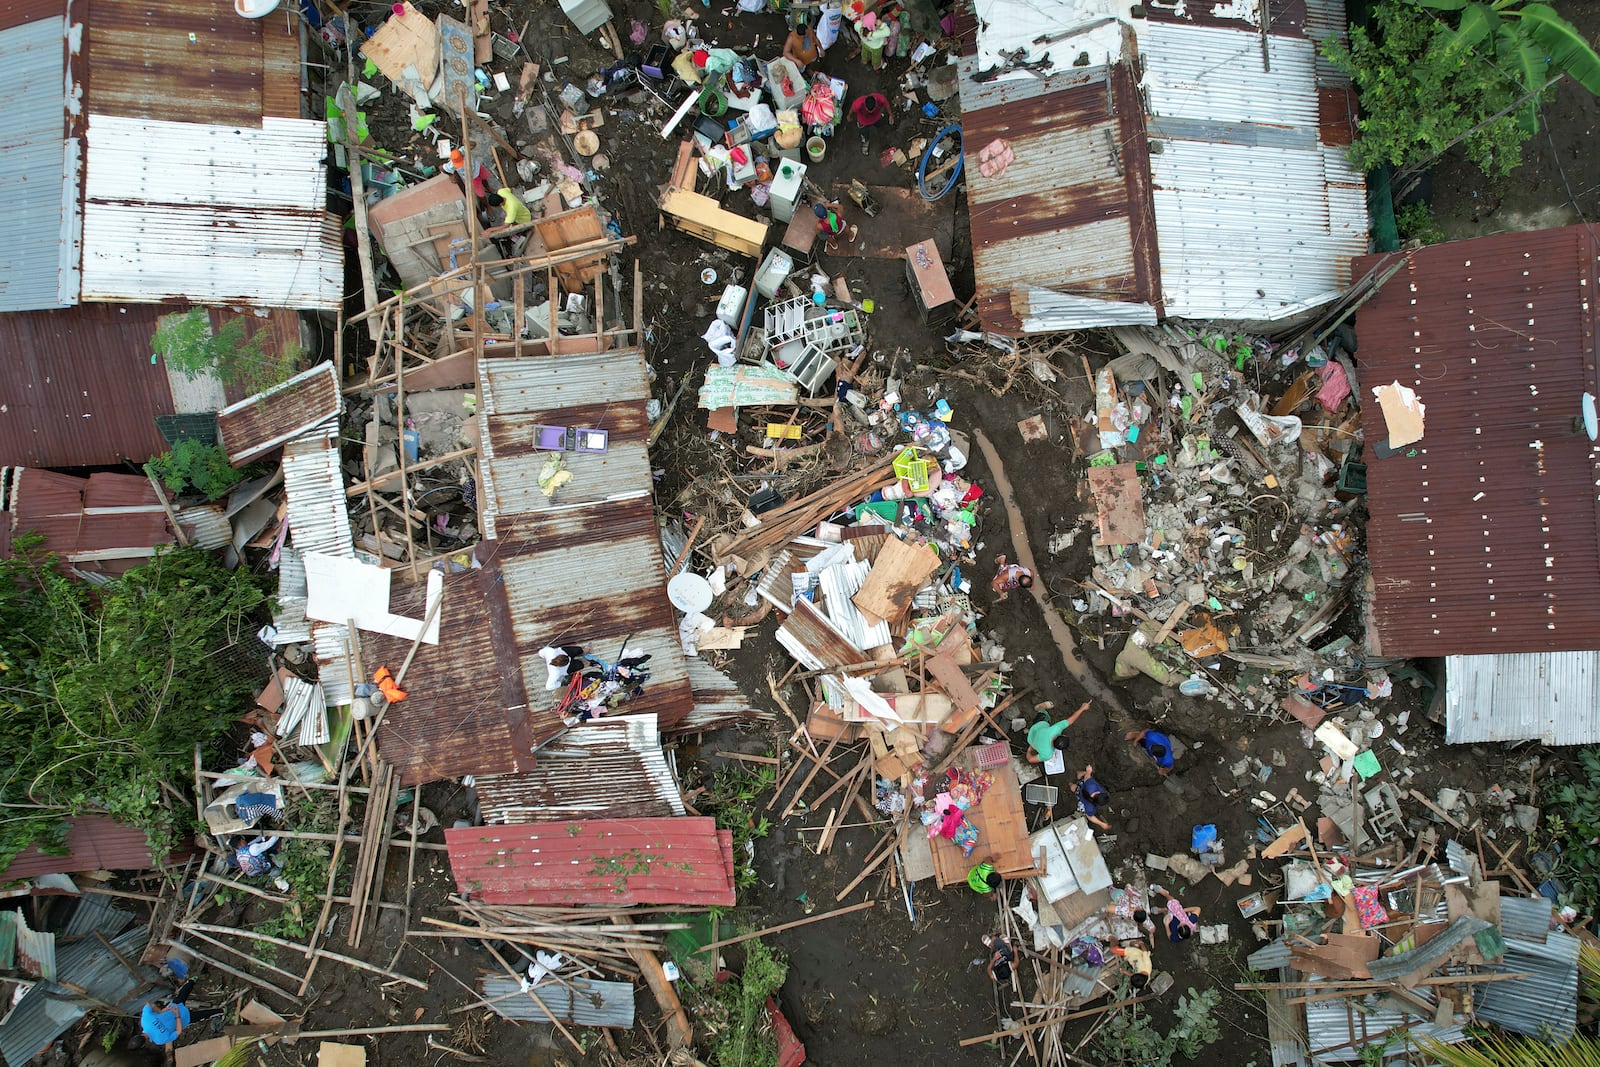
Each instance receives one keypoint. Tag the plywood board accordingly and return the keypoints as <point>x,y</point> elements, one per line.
<point>407,39</point>
<point>900,571</point>
<point>1403,413</point>
<point>927,266</point>
<point>1119,504</point>
<point>953,680</point>
<point>1002,831</point>
<point>258,1014</point>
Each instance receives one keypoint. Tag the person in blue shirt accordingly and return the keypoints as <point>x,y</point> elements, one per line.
<point>163,1021</point>
<point>1156,745</point>
<point>1092,796</point>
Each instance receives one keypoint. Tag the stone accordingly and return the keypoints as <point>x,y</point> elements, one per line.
<point>1526,816</point>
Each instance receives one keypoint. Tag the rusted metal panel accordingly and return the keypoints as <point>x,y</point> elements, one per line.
<point>616,862</point>
<point>94,843</point>
<point>718,700</point>
<point>1286,18</point>
<point>1483,535</point>
<point>21,12</point>
<point>59,409</point>
<point>161,59</point>
<point>611,768</point>
<point>1072,212</point>
<point>457,718</point>
<point>257,424</point>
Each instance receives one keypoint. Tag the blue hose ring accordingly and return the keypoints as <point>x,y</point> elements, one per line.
<point>955,172</point>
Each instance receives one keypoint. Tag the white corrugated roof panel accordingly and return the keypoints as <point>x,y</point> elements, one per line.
<point>210,214</point>
<point>1553,697</point>
<point>1255,219</point>
<point>1007,25</point>
<point>38,170</point>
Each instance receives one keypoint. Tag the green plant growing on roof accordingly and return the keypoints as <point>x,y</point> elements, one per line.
<point>192,465</point>
<point>731,797</point>
<point>186,343</point>
<point>1433,74</point>
<point>1572,824</point>
<point>734,1012</point>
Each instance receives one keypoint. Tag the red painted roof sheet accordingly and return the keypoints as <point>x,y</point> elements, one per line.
<point>95,843</point>
<point>599,861</point>
<point>1486,539</point>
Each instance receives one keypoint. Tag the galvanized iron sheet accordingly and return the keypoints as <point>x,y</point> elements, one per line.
<point>39,180</point>
<point>611,768</point>
<point>1483,535</point>
<point>242,222</point>
<point>1552,697</point>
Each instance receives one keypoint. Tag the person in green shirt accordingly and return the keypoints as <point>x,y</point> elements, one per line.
<point>983,879</point>
<point>1044,737</point>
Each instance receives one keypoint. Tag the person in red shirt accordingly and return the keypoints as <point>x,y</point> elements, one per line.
<point>832,225</point>
<point>868,111</point>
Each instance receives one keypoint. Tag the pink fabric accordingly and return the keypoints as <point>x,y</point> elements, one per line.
<point>952,822</point>
<point>1335,386</point>
<point>1176,911</point>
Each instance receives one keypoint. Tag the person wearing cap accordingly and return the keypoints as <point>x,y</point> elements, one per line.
<point>1137,958</point>
<point>802,47</point>
<point>874,34</point>
<point>473,178</point>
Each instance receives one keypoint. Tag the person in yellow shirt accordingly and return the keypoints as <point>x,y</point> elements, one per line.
<point>515,210</point>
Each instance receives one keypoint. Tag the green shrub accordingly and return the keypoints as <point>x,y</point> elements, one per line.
<point>1416,223</point>
<point>192,465</point>
<point>185,341</point>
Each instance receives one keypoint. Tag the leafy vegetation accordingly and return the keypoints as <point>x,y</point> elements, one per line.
<point>1130,1039</point>
<point>1435,73</point>
<point>104,691</point>
<point>186,343</point>
<point>731,797</point>
<point>305,868</point>
<point>1572,828</point>
<point>1416,223</point>
<point>192,465</point>
<point>734,1011</point>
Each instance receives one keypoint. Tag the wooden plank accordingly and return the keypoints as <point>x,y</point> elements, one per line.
<point>788,926</point>
<point>407,39</point>
<point>208,1051</point>
<point>1002,831</point>
<point>1286,841</point>
<point>1119,504</point>
<point>953,680</point>
<point>900,571</point>
<point>258,1014</point>
<point>334,1054</point>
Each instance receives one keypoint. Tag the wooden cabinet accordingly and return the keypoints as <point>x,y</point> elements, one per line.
<point>704,218</point>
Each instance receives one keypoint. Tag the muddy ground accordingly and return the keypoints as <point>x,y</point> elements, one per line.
<point>874,987</point>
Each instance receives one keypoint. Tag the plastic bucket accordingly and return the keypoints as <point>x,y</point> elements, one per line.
<point>816,148</point>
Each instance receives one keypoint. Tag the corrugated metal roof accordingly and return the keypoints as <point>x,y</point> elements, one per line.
<point>581,1001</point>
<point>1483,535</point>
<point>314,488</point>
<point>158,59</point>
<point>103,524</point>
<point>36,951</point>
<point>718,700</point>
<point>18,12</point>
<point>9,920</point>
<point>1255,218</point>
<point>49,1010</point>
<point>610,768</point>
<point>58,409</point>
<point>1526,918</point>
<point>38,170</point>
<point>94,843</point>
<point>603,862</point>
<point>1072,213</point>
<point>97,912</point>
<point>241,222</point>
<point>466,712</point>
<point>1552,697</point>
<point>1431,953</point>
<point>257,424</point>
<point>1545,1004</point>
<point>1336,1030</point>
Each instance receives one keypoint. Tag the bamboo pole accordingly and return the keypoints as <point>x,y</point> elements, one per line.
<point>807,921</point>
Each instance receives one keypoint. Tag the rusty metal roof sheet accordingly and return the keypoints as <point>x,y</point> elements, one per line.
<point>258,424</point>
<point>1065,235</point>
<point>48,1010</point>
<point>156,59</point>
<point>104,524</point>
<point>19,12</point>
<point>718,700</point>
<point>94,843</point>
<point>465,712</point>
<point>39,176</point>
<point>243,221</point>
<point>610,768</point>
<point>59,409</point>
<point>1483,535</point>
<point>604,862</point>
